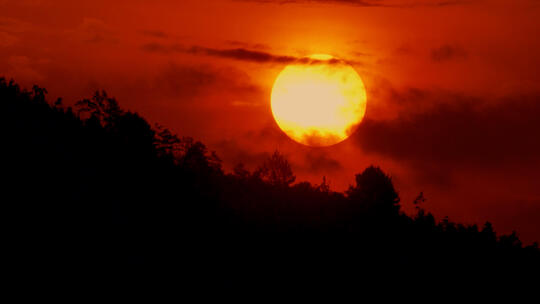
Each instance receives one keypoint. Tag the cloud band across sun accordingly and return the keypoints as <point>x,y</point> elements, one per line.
<point>241,54</point>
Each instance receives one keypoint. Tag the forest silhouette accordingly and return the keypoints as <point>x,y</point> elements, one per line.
<point>95,189</point>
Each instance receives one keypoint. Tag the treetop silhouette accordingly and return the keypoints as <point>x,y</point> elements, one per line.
<point>97,188</point>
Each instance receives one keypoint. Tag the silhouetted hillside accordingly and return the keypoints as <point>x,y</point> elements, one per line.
<point>94,190</point>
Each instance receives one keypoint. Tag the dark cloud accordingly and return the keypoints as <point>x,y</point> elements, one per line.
<point>349,2</point>
<point>528,213</point>
<point>154,33</point>
<point>253,147</point>
<point>270,132</point>
<point>372,3</point>
<point>192,86</point>
<point>154,47</point>
<point>189,81</point>
<point>448,52</point>
<point>257,46</point>
<point>456,131</point>
<point>244,54</point>
<point>317,139</point>
<point>238,54</point>
<point>185,81</point>
<point>317,161</point>
<point>234,153</point>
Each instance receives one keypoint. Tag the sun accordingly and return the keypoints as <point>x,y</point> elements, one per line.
<point>318,101</point>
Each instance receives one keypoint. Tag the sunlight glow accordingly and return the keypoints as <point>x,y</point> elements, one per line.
<point>319,103</point>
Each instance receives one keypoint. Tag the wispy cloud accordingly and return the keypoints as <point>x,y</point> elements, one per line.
<point>154,33</point>
<point>372,3</point>
<point>241,54</point>
<point>448,52</point>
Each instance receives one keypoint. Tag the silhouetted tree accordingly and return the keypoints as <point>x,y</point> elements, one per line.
<point>324,186</point>
<point>240,171</point>
<point>195,156</point>
<point>102,107</point>
<point>374,190</point>
<point>167,144</point>
<point>276,170</point>
<point>419,200</point>
<point>510,241</point>
<point>101,190</point>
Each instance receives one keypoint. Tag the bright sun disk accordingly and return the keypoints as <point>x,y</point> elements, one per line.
<point>319,103</point>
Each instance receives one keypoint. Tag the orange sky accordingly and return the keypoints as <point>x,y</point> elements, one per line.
<point>453,86</point>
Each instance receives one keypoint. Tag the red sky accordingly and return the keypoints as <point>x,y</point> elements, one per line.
<point>453,86</point>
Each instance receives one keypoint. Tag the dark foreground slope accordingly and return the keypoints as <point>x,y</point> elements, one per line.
<point>97,192</point>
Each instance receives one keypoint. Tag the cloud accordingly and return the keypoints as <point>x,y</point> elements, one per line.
<point>11,25</point>
<point>23,69</point>
<point>154,33</point>
<point>233,153</point>
<point>93,30</point>
<point>318,161</point>
<point>244,55</point>
<point>7,39</point>
<point>240,44</point>
<point>349,2</point>
<point>189,83</point>
<point>238,54</point>
<point>372,3</point>
<point>10,30</point>
<point>155,47</point>
<point>457,131</point>
<point>448,52</point>
<point>253,147</point>
<point>526,211</point>
<point>185,81</point>
<point>25,2</point>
